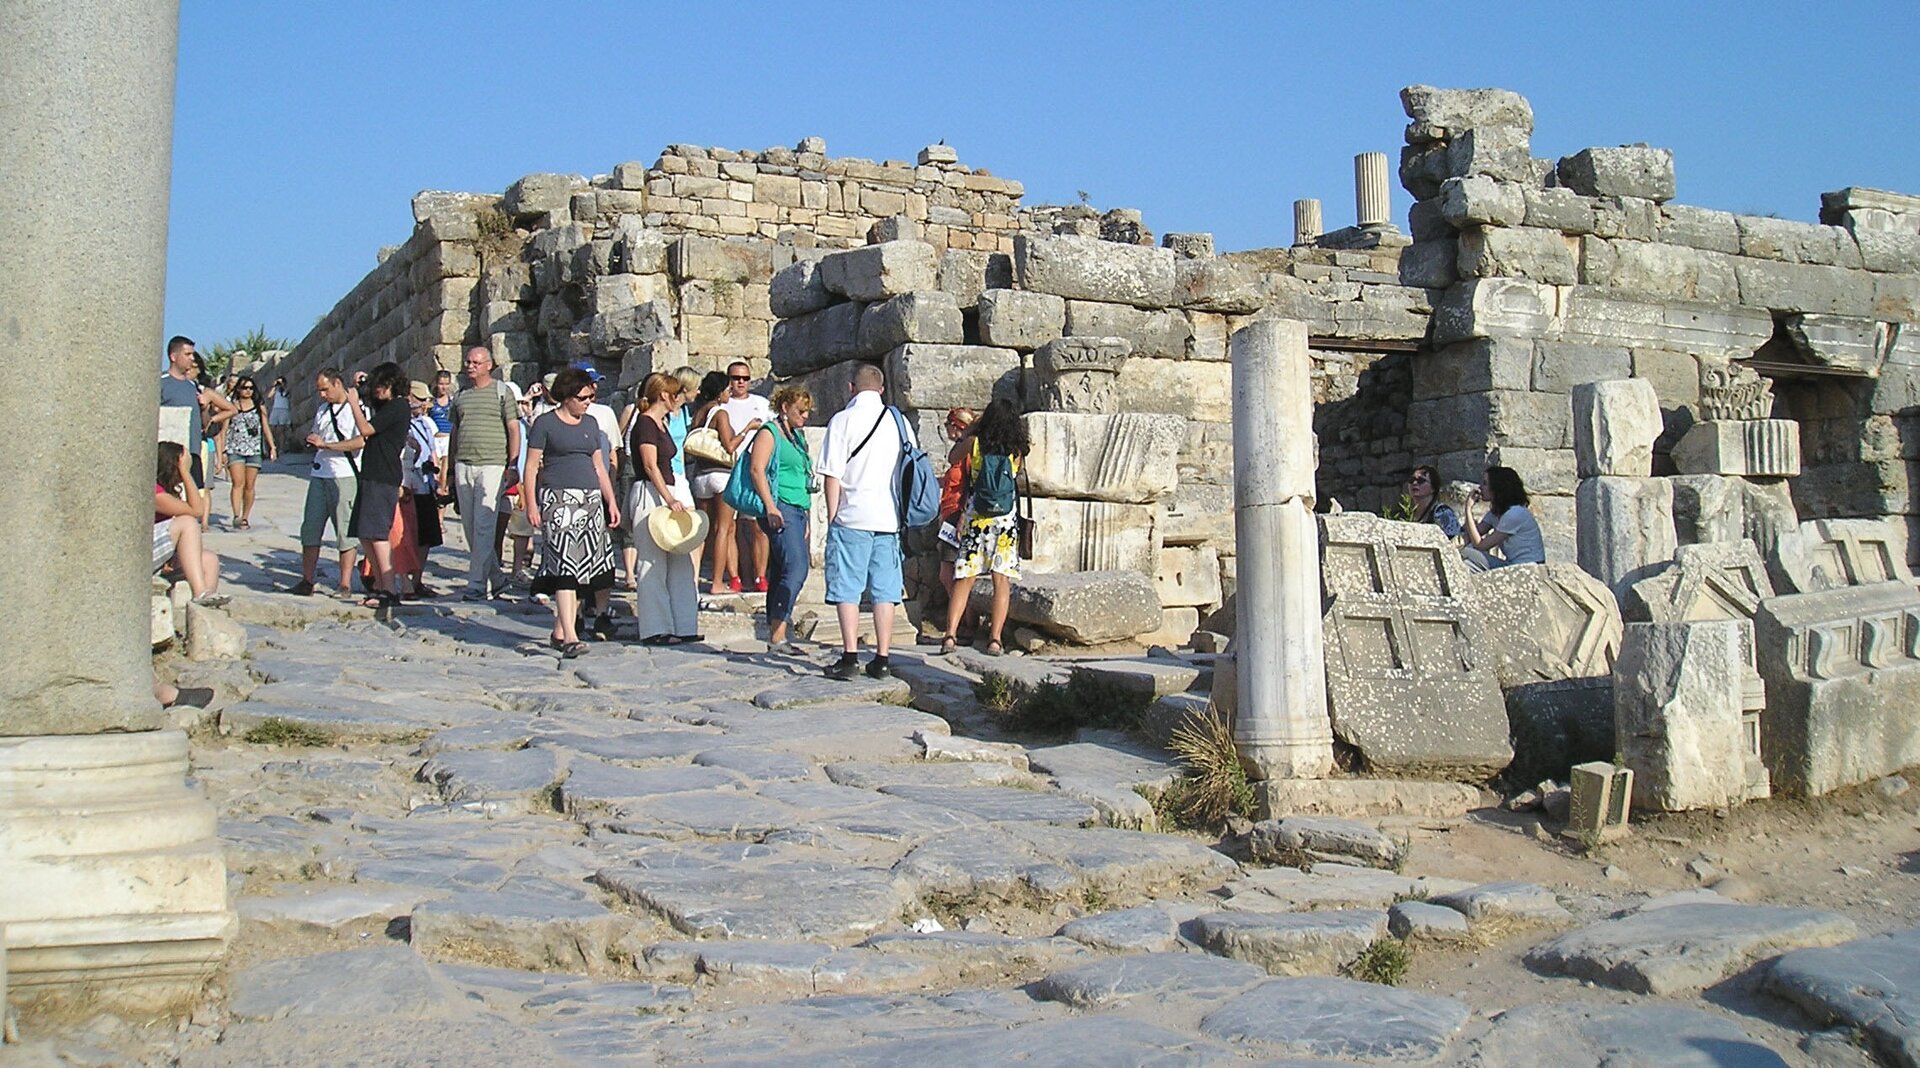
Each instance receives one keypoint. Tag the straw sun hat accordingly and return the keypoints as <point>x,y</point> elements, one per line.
<point>677,532</point>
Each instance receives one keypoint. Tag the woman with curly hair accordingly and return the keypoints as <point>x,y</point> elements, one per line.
<point>989,530</point>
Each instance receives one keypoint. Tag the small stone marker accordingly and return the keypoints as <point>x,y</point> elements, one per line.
<point>1602,796</point>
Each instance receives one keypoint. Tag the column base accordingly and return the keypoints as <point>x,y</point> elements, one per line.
<point>116,893</point>
<point>1303,758</point>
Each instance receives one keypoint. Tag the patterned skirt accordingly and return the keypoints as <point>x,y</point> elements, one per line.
<point>988,545</point>
<point>576,548</point>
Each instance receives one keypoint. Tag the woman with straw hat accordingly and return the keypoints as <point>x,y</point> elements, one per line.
<point>666,600</point>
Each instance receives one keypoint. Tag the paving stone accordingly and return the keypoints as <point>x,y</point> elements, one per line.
<point>332,908</point>
<point>488,774</point>
<point>591,786</point>
<point>1104,1041</point>
<point>1000,804</point>
<point>874,775</point>
<point>520,929</point>
<point>618,997</point>
<point>946,747</point>
<point>818,690</point>
<point>1142,929</point>
<point>757,764</point>
<point>466,1037</point>
<point>346,721</point>
<point>1302,943</point>
<point>1577,1035</point>
<point>1507,902</point>
<point>1339,1018</point>
<point>1684,947</point>
<point>1323,838</point>
<point>1413,920</point>
<point>383,981</point>
<point>977,948</point>
<point>1872,984</point>
<point>505,734</point>
<point>783,904</point>
<point>1329,886</point>
<point>1160,976</point>
<point>633,747</point>
<point>721,813</point>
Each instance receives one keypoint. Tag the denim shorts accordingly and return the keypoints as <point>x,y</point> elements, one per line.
<point>863,561</point>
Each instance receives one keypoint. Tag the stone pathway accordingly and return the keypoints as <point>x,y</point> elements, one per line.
<point>708,855</point>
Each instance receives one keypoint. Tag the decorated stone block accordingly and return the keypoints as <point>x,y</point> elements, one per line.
<point>1614,426</point>
<point>1759,447</point>
<point>1095,536</point>
<point>1545,623</point>
<point>1081,374</point>
<point>1678,699</point>
<point>1720,580</point>
<point>1601,802</point>
<point>1127,457</point>
<point>1825,554</point>
<point>1733,391</point>
<point>1406,684</point>
<point>1842,671</point>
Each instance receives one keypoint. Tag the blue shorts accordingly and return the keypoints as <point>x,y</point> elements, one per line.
<point>863,561</point>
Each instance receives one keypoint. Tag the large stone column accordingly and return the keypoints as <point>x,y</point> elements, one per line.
<point>1281,720</point>
<point>112,892</point>
<point>1372,207</point>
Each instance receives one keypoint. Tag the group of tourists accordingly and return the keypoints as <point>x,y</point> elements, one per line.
<point>1507,534</point>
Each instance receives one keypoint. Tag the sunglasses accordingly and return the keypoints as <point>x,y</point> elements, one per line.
<point>1417,480</point>
<point>586,396</point>
<point>740,378</point>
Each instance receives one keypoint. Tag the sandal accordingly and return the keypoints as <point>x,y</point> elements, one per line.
<point>378,601</point>
<point>947,645</point>
<point>994,648</point>
<point>572,649</point>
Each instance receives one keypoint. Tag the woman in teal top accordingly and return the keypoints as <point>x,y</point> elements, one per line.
<point>788,499</point>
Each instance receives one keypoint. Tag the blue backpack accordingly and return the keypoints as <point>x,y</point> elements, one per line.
<point>740,493</point>
<point>916,492</point>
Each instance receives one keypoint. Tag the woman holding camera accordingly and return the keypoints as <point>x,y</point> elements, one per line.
<point>1508,528</point>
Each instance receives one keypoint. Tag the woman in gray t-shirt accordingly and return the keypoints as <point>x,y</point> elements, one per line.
<point>570,501</point>
<point>1508,527</point>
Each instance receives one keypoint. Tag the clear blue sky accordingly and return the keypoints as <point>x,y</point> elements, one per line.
<point>302,131</point>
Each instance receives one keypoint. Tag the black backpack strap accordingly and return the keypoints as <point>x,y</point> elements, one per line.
<point>333,416</point>
<point>876,429</point>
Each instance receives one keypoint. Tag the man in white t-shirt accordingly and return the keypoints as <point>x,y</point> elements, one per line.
<point>332,483</point>
<point>747,412</point>
<point>859,461</point>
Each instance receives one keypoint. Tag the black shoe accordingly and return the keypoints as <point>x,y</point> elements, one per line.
<point>878,668</point>
<point>602,627</point>
<point>303,588</point>
<point>844,668</point>
<point>193,697</point>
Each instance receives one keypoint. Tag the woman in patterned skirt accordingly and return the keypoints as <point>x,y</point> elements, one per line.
<point>570,502</point>
<point>989,523</point>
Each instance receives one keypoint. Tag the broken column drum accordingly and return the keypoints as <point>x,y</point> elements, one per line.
<point>1373,207</point>
<point>1281,724</point>
<point>1307,223</point>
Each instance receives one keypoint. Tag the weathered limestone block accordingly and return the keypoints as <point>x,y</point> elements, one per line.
<point>1482,201</point>
<point>1842,342</point>
<point>1558,209</point>
<point>1440,113</point>
<point>1825,554</point>
<point>1090,607</point>
<point>817,339</point>
<point>664,356</point>
<point>1430,264</point>
<point>926,316</point>
<point>798,289</point>
<point>968,273</point>
<point>614,332</point>
<point>213,635</point>
<point>717,260</point>
<point>1625,527</point>
<point>1188,577</point>
<point>1615,424</point>
<point>725,337</point>
<point>1404,684</point>
<point>1517,252</point>
<point>1216,285</point>
<point>160,620</point>
<point>938,377</point>
<point>1150,334</point>
<point>538,193</point>
<point>1128,458</point>
<point>1017,319</point>
<point>1081,374</point>
<point>1668,272</point>
<point>1488,307</point>
<point>1601,317</point>
<point>1198,513</point>
<point>1083,268</point>
<point>1803,287</point>
<point>1718,580</point>
<point>1196,389</point>
<point>1843,685</point>
<point>1708,508</point>
<point>1496,152</point>
<point>1766,448</point>
<point>877,272</point>
<point>1096,536</point>
<point>1677,700</point>
<point>1544,623</point>
<point>1701,228</point>
<point>1627,171</point>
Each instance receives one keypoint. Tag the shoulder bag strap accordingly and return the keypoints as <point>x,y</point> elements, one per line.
<point>333,416</point>
<point>870,434</point>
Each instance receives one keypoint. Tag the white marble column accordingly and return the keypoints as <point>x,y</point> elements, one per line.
<point>1372,206</point>
<point>1281,724</point>
<point>112,892</point>
<point>1307,225</point>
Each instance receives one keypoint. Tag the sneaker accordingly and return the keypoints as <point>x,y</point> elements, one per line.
<point>844,668</point>
<point>303,588</point>
<point>474,594</point>
<point>760,584</point>
<point>734,584</point>
<point>878,668</point>
<point>213,600</point>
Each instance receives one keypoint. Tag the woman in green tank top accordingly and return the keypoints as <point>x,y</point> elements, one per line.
<point>783,475</point>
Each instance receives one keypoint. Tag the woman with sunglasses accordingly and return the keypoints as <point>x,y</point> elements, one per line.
<point>248,438</point>
<point>1423,488</point>
<point>570,502</point>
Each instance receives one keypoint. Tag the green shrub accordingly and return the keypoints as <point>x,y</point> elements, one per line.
<point>276,731</point>
<point>1384,962</point>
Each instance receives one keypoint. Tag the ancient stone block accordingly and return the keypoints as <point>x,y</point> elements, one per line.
<point>1544,623</point>
<point>1089,607</point>
<point>1158,333</point>
<point>1558,209</point>
<point>1614,426</point>
<point>1405,684</point>
<point>1197,390</point>
<point>1841,342</point>
<point>1627,171</point>
<point>716,260</point>
<point>1440,113</point>
<point>1188,577</point>
<point>1482,201</point>
<point>1017,319</point>
<point>1081,374</point>
<point>1215,285</point>
<point>928,316</point>
<point>613,332</point>
<point>1802,287</point>
<point>1560,365</point>
<point>798,289</point>
<point>967,274</point>
<point>1733,391</point>
<point>1600,803</point>
<point>1678,716</point>
<point>1825,554</point>
<point>1498,153</point>
<point>1597,316</point>
<point>1127,457</point>
<point>1718,580</point>
<point>213,634</point>
<point>1096,536</point>
<point>1758,447</point>
<point>1198,514</point>
<point>876,272</point>
<point>1516,252</point>
<point>1624,527</point>
<point>1701,228</point>
<point>665,356</point>
<point>538,193</point>
<point>816,339</point>
<point>1430,264</point>
<point>1487,307</point>
<point>1843,685</point>
<point>1708,508</point>
<point>937,377</point>
<point>1083,268</point>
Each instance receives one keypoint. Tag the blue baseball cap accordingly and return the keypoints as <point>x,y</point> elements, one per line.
<point>593,373</point>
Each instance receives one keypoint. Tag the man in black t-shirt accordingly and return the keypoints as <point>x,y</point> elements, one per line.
<point>383,435</point>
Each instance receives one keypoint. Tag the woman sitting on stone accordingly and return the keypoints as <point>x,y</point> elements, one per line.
<point>1508,527</point>
<point>989,522</point>
<point>176,526</point>
<point>1423,488</point>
